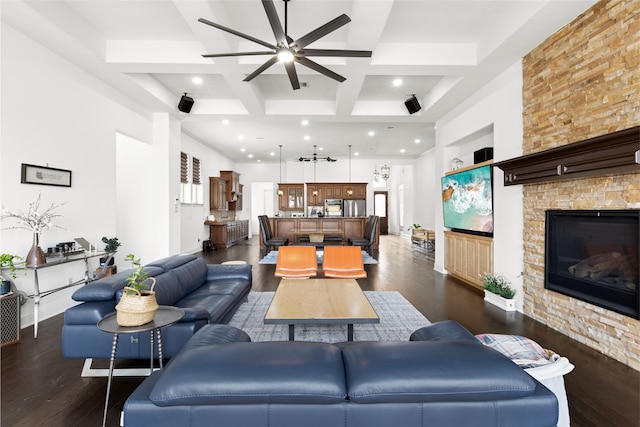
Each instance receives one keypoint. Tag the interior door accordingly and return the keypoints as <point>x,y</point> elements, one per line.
<point>381,208</point>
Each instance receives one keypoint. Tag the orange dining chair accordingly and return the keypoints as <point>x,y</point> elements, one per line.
<point>343,262</point>
<point>297,262</point>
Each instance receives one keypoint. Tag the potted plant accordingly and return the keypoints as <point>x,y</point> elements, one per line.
<point>111,247</point>
<point>111,244</point>
<point>138,303</point>
<point>498,291</point>
<point>9,261</point>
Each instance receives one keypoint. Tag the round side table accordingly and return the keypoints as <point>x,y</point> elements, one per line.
<point>165,316</point>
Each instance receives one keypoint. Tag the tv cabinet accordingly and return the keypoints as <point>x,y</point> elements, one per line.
<point>467,256</point>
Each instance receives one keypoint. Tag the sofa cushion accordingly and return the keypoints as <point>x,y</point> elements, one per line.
<point>216,305</point>
<point>167,289</point>
<point>171,262</point>
<point>264,372</point>
<point>105,289</point>
<point>191,275</point>
<point>422,371</point>
<point>234,287</point>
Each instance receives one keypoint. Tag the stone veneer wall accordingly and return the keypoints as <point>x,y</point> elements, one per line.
<point>582,82</point>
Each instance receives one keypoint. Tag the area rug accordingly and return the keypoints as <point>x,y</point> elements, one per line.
<point>272,258</point>
<point>398,319</point>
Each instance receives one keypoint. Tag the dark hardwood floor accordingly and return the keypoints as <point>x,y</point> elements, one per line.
<point>41,388</point>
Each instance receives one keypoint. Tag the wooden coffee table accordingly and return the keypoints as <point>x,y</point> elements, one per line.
<point>320,302</point>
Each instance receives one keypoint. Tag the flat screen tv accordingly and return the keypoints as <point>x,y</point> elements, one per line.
<point>467,200</point>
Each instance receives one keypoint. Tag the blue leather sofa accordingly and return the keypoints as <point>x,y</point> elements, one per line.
<point>208,293</point>
<point>442,381</point>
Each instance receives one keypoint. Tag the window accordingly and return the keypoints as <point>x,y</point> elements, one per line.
<point>191,191</point>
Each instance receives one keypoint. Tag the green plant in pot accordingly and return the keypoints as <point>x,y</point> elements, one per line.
<point>111,244</point>
<point>9,261</point>
<point>111,247</point>
<point>498,284</point>
<point>138,303</point>
<point>415,227</point>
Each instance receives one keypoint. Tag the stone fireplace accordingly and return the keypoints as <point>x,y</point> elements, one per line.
<point>580,83</point>
<point>592,255</point>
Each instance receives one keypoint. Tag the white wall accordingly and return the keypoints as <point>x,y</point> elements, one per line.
<point>192,217</point>
<point>497,106</point>
<point>125,167</point>
<point>62,117</point>
<point>426,197</point>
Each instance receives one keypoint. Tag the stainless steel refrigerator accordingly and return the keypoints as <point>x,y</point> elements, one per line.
<point>353,208</point>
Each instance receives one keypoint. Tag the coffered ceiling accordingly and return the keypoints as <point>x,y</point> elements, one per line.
<point>443,51</point>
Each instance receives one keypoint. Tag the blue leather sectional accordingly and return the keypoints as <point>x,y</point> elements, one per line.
<point>443,378</point>
<point>208,293</point>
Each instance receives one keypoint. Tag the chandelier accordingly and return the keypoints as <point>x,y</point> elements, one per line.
<point>384,173</point>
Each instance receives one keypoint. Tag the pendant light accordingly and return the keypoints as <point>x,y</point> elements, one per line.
<point>349,190</point>
<point>280,192</point>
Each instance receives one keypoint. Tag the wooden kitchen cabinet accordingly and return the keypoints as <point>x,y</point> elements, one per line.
<point>468,256</point>
<point>358,191</point>
<point>225,234</point>
<point>217,194</point>
<point>233,184</point>
<point>333,191</point>
<point>316,199</point>
<point>292,198</point>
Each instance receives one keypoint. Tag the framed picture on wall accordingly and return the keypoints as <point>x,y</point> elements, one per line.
<point>44,175</point>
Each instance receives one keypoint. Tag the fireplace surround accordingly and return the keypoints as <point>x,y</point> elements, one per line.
<point>593,255</point>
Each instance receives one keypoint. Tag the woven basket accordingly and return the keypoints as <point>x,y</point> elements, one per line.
<point>136,310</point>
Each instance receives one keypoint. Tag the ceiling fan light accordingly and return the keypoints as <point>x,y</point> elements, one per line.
<point>285,55</point>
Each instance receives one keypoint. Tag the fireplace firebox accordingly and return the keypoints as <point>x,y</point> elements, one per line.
<point>593,255</point>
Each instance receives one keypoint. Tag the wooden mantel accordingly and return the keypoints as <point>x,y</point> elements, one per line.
<point>617,152</point>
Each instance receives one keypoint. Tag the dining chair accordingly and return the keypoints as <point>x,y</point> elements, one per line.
<point>297,262</point>
<point>343,262</point>
<point>268,241</point>
<point>369,236</point>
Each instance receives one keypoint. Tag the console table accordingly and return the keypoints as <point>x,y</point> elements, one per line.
<point>89,276</point>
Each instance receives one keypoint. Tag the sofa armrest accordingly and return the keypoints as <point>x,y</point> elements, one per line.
<point>447,330</point>
<point>229,271</point>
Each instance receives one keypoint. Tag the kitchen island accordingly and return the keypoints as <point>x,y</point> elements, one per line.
<point>295,228</point>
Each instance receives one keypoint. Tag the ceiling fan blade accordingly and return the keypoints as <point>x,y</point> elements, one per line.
<point>260,69</point>
<point>219,55</point>
<point>293,76</point>
<point>276,26</point>
<point>237,33</point>
<point>319,68</point>
<point>321,31</point>
<point>336,52</point>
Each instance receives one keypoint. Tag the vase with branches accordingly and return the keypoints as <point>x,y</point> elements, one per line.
<point>35,221</point>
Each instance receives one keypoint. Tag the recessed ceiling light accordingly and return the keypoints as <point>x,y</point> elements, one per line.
<point>243,149</point>
<point>259,160</point>
<point>272,153</point>
<point>250,156</point>
<point>417,140</point>
<point>356,154</point>
<point>225,121</point>
<point>397,82</point>
<point>305,122</point>
<point>402,150</point>
<point>240,136</point>
<point>197,80</point>
<point>320,148</point>
<point>371,133</point>
<point>306,137</point>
